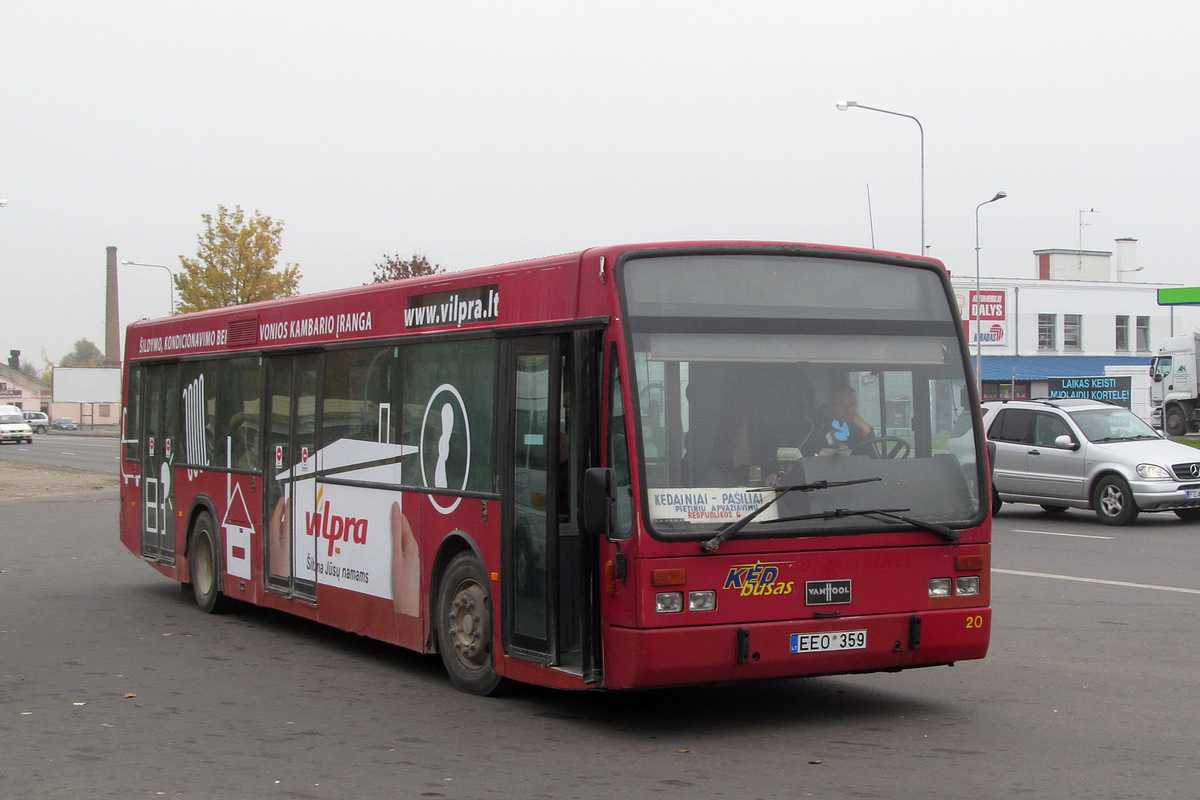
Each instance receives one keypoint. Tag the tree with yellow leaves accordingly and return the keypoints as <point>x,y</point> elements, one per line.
<point>235,263</point>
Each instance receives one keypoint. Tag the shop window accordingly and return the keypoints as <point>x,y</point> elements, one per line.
<point>1122,333</point>
<point>1073,332</point>
<point>1143,334</point>
<point>1047,332</point>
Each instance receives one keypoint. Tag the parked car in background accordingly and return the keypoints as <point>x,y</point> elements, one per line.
<point>1075,453</point>
<point>37,420</point>
<point>13,427</point>
<point>64,424</point>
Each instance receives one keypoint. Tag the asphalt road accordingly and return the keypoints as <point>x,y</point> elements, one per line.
<point>100,453</point>
<point>114,685</point>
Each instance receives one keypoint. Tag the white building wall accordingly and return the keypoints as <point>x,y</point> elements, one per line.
<point>1098,302</point>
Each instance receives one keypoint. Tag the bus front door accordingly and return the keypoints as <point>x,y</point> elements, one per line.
<point>290,558</point>
<point>159,439</point>
<point>540,548</point>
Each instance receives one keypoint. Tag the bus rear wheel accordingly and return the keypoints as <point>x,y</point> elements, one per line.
<point>204,558</point>
<point>465,625</point>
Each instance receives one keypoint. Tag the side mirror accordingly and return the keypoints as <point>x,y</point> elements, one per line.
<point>1156,378</point>
<point>1065,442</point>
<point>599,500</point>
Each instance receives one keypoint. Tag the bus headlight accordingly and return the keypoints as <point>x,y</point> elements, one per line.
<point>668,602</point>
<point>967,585</point>
<point>702,601</point>
<point>940,587</point>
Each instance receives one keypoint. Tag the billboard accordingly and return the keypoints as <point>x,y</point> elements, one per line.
<point>80,385</point>
<point>990,308</point>
<point>1111,389</point>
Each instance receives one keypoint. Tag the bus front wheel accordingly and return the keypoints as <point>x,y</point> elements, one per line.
<point>465,626</point>
<point>204,558</point>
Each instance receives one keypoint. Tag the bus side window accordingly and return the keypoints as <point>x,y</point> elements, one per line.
<point>133,415</point>
<point>618,450</point>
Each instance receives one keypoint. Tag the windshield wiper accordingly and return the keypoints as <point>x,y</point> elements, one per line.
<point>949,534</point>
<point>712,544</point>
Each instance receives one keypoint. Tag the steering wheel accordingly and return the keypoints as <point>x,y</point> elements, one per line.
<point>887,446</point>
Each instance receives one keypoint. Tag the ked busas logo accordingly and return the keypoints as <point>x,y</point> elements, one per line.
<point>334,528</point>
<point>757,580</point>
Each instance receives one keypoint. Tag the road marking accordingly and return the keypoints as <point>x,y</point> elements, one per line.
<point>1053,533</point>
<point>1126,584</point>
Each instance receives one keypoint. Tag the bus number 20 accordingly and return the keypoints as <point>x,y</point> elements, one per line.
<point>975,622</point>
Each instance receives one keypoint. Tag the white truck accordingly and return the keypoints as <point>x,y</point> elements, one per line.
<point>1173,390</point>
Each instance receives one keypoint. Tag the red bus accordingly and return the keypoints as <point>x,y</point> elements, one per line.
<point>626,467</point>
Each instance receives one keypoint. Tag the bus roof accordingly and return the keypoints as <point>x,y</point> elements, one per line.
<point>546,290</point>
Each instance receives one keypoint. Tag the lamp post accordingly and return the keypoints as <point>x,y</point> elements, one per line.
<point>978,338</point>
<point>845,105</point>
<point>160,266</point>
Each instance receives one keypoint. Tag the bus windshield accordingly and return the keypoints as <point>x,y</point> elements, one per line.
<point>755,371</point>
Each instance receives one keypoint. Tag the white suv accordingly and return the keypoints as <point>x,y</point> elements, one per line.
<point>1072,453</point>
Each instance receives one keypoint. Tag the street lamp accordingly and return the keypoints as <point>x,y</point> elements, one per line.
<point>160,266</point>
<point>848,104</point>
<point>978,338</point>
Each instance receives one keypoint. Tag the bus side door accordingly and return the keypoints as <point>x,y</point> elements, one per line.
<point>540,548</point>
<point>160,438</point>
<point>290,460</point>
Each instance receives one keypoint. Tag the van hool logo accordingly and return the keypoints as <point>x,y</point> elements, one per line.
<point>825,593</point>
<point>757,579</point>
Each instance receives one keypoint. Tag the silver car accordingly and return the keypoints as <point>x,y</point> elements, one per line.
<point>1072,453</point>
<point>37,420</point>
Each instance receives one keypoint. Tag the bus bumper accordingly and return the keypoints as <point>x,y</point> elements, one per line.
<point>641,658</point>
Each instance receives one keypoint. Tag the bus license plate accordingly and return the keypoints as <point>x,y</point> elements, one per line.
<point>1192,494</point>
<point>829,642</point>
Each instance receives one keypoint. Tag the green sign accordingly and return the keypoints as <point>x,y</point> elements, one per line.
<point>1182,296</point>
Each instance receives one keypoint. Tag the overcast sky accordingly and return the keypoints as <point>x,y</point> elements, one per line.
<point>478,133</point>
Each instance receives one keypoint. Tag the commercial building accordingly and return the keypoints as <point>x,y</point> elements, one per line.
<point>19,389</point>
<point>1081,316</point>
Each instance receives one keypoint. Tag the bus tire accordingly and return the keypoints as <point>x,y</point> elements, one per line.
<point>465,626</point>
<point>204,559</point>
<point>1113,501</point>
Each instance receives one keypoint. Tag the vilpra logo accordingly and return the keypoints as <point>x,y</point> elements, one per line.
<point>825,593</point>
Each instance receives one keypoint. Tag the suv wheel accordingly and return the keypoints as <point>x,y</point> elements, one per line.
<point>1113,501</point>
